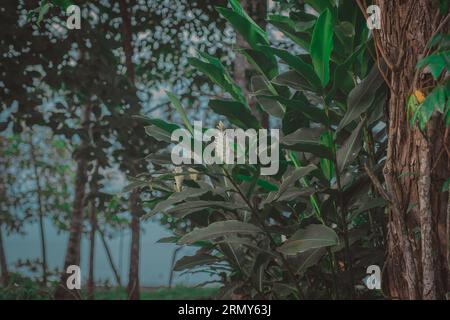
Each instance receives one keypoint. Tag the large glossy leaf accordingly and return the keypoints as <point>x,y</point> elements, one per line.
<point>159,129</point>
<point>293,80</point>
<point>361,97</point>
<point>246,27</point>
<point>322,45</point>
<point>217,73</point>
<point>307,140</point>
<point>287,26</point>
<point>260,87</point>
<point>177,104</point>
<point>296,63</point>
<point>177,197</point>
<point>308,259</point>
<point>436,62</point>
<point>293,178</point>
<point>238,113</point>
<point>219,229</point>
<point>350,149</point>
<point>310,112</point>
<point>312,237</point>
<point>186,208</point>
<point>263,61</point>
<point>438,99</point>
<point>189,262</point>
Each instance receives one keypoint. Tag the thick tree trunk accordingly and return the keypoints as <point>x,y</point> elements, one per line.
<point>40,212</point>
<point>133,278</point>
<point>92,234</point>
<point>416,266</point>
<point>257,10</point>
<point>76,223</point>
<point>3,263</point>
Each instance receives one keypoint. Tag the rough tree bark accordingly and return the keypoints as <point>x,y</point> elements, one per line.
<point>415,169</point>
<point>76,223</point>
<point>257,10</point>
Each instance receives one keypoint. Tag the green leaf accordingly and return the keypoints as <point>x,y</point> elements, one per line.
<point>438,99</point>
<point>176,103</point>
<point>312,237</point>
<point>64,4</point>
<point>322,45</point>
<point>238,113</point>
<point>43,9</point>
<point>246,27</point>
<point>307,140</point>
<point>446,186</point>
<point>320,5</point>
<point>436,62</point>
<point>287,26</point>
<point>189,262</point>
<point>361,97</point>
<point>263,61</point>
<point>260,182</point>
<point>302,105</point>
<point>158,133</point>
<point>350,149</point>
<point>293,178</point>
<point>183,209</point>
<point>217,73</point>
<point>326,165</point>
<point>261,87</point>
<point>294,80</point>
<point>219,229</point>
<point>176,197</point>
<point>308,259</point>
<point>296,63</point>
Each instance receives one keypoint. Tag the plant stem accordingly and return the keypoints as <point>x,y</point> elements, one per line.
<point>266,231</point>
<point>343,209</point>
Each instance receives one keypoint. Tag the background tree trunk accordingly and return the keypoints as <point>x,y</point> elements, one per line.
<point>93,223</point>
<point>40,211</point>
<point>135,210</point>
<point>76,224</point>
<point>110,258</point>
<point>133,278</point>
<point>257,10</point>
<point>3,263</point>
<point>416,265</point>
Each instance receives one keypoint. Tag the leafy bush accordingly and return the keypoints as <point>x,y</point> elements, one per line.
<point>24,288</point>
<point>311,230</point>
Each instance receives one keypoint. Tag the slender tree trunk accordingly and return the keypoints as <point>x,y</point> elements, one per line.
<point>417,266</point>
<point>40,212</point>
<point>4,275</point>
<point>76,223</point>
<point>3,263</point>
<point>92,233</point>
<point>133,278</point>
<point>110,258</point>
<point>257,10</point>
